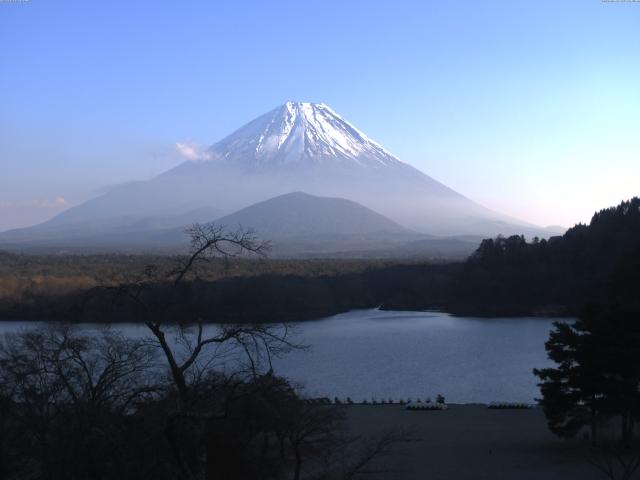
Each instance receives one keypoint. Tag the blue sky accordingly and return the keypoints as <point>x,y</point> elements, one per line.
<point>529,107</point>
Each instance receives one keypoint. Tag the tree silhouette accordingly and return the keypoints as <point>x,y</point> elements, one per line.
<point>598,373</point>
<point>559,275</point>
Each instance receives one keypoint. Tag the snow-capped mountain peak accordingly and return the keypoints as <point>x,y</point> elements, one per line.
<point>300,132</point>
<point>297,147</point>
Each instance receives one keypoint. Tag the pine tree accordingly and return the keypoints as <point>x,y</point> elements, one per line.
<point>597,375</point>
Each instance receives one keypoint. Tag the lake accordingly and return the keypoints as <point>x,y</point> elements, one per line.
<point>367,354</point>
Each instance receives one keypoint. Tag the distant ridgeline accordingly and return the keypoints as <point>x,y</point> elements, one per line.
<point>595,263</point>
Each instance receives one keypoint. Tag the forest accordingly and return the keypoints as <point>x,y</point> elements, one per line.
<point>505,276</point>
<point>595,263</point>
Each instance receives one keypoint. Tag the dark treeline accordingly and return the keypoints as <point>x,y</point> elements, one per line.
<point>592,390</point>
<point>593,387</point>
<point>261,298</point>
<point>588,264</point>
<point>597,373</point>
<point>116,268</point>
<point>51,286</point>
<point>79,288</point>
<point>505,276</point>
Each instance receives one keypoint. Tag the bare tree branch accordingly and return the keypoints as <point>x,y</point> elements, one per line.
<point>210,240</point>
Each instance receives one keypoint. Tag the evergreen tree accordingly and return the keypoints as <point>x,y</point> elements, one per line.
<point>597,375</point>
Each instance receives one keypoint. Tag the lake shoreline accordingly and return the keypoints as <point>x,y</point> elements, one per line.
<point>482,314</point>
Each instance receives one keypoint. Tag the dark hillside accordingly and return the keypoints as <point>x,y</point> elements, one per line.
<point>587,264</point>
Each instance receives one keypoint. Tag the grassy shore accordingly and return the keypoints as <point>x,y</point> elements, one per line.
<point>474,442</point>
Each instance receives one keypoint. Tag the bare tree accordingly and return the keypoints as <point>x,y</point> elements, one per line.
<point>222,389</point>
<point>615,459</point>
<point>186,356</point>
<point>67,395</point>
<point>193,348</point>
<point>366,461</point>
<point>322,447</point>
<point>312,428</point>
<point>214,241</point>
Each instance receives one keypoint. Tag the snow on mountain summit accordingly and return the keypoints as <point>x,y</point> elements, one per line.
<point>297,147</point>
<point>300,132</point>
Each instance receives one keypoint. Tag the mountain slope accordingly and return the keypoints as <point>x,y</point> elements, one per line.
<point>308,147</point>
<point>302,225</point>
<point>297,147</point>
<point>299,215</point>
<point>125,233</point>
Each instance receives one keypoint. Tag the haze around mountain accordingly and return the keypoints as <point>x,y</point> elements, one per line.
<point>297,147</point>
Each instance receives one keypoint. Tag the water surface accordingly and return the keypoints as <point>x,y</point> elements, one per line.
<point>367,354</point>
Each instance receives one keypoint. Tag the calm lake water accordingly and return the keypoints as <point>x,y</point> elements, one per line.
<point>367,354</point>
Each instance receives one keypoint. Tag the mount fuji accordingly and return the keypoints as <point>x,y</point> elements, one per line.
<point>297,147</point>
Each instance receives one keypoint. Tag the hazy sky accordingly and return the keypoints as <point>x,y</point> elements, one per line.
<point>528,107</point>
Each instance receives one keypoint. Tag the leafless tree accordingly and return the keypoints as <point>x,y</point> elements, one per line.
<point>66,394</point>
<point>100,370</point>
<point>370,457</point>
<point>222,387</point>
<point>194,349</point>
<point>314,429</point>
<point>186,355</point>
<point>617,460</point>
<point>215,241</point>
<point>323,448</point>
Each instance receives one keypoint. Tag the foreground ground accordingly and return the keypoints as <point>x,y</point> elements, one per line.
<point>474,442</point>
